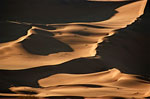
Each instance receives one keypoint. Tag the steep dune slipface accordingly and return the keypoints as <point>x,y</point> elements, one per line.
<point>30,63</point>
<point>51,44</point>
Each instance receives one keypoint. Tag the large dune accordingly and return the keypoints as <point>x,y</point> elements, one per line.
<point>51,44</point>
<point>67,48</point>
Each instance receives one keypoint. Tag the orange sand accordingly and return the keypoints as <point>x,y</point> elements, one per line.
<point>57,42</point>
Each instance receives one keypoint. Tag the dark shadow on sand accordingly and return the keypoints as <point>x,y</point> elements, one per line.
<point>57,11</point>
<point>128,50</point>
<point>12,31</point>
<point>29,77</point>
<point>43,43</point>
<point>39,12</point>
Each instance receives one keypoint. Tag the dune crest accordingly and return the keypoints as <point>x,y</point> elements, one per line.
<point>79,38</point>
<point>47,53</point>
<point>100,84</point>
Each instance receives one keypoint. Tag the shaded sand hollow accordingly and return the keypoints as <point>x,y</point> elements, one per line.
<point>48,48</point>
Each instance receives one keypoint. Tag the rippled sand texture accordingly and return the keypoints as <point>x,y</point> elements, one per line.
<point>39,43</point>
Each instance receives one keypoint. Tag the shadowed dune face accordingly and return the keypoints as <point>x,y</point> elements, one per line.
<point>100,84</point>
<point>55,48</point>
<point>130,52</point>
<point>11,31</point>
<point>30,77</point>
<point>57,11</point>
<point>44,44</point>
<point>70,40</point>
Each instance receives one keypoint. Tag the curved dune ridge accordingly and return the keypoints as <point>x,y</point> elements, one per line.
<point>52,44</point>
<point>101,84</point>
<point>59,58</point>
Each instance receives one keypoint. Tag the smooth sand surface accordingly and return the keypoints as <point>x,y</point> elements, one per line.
<point>51,44</point>
<point>59,48</point>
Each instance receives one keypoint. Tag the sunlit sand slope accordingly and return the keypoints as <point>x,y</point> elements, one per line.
<point>101,84</point>
<point>46,53</point>
<point>51,44</point>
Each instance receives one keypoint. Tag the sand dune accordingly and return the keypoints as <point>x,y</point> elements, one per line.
<point>100,84</point>
<point>52,48</point>
<point>67,41</point>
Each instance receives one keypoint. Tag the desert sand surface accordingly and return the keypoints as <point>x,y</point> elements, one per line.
<point>74,49</point>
